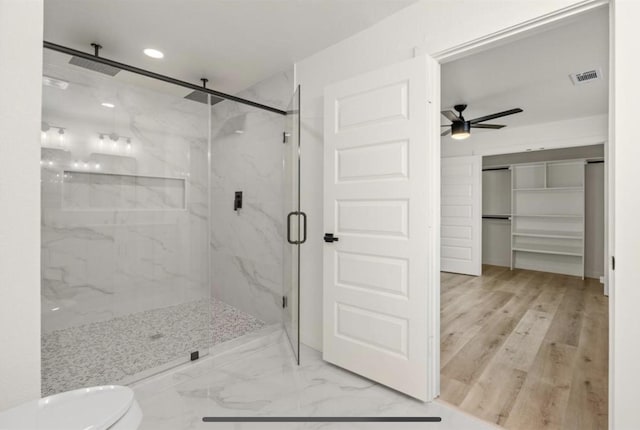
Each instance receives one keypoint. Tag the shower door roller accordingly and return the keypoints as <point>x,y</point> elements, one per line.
<point>304,228</point>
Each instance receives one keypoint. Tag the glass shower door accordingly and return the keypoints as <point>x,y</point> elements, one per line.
<point>296,222</point>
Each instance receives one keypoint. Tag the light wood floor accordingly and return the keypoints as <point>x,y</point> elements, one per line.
<point>525,350</point>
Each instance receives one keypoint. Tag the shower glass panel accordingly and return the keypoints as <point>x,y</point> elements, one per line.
<point>125,225</point>
<point>247,227</point>
<point>295,224</point>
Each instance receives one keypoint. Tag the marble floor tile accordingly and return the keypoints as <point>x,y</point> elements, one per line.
<point>127,348</point>
<point>264,380</point>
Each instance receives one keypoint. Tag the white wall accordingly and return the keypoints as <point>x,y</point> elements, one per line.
<point>21,75</point>
<point>496,233</point>
<point>427,25</point>
<point>625,296</point>
<point>594,221</point>
<point>496,242</point>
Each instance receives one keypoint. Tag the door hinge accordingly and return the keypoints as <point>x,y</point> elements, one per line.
<point>284,302</point>
<point>613,263</point>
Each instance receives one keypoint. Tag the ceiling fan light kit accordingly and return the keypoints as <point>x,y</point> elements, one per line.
<point>460,128</point>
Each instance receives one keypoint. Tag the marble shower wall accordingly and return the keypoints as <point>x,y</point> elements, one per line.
<point>247,245</point>
<point>124,228</point>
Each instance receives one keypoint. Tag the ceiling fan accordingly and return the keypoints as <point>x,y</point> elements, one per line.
<point>460,128</point>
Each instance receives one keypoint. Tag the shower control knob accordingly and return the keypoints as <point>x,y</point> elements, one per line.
<point>328,237</point>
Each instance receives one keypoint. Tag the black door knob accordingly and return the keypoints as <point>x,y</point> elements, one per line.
<point>329,237</point>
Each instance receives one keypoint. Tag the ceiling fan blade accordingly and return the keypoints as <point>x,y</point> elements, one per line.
<point>492,126</point>
<point>444,133</point>
<point>451,116</point>
<point>495,115</point>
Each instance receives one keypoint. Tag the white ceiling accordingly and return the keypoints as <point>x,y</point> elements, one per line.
<point>533,74</point>
<point>234,43</point>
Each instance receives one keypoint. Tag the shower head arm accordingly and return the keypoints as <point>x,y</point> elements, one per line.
<point>96,49</point>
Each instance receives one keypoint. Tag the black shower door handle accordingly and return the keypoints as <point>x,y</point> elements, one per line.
<point>292,242</point>
<point>304,228</point>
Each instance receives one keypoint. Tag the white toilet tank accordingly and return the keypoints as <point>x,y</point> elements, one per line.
<point>110,407</point>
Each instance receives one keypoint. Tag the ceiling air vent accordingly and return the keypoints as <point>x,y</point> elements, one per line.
<point>584,77</point>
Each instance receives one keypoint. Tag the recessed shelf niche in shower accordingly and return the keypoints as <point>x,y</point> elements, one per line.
<point>83,190</point>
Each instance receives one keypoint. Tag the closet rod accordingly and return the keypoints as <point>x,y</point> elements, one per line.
<point>594,161</point>
<point>495,168</point>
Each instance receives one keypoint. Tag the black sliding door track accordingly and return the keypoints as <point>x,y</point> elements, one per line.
<point>153,75</point>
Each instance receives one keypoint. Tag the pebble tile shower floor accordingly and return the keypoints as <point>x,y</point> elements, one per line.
<point>110,351</point>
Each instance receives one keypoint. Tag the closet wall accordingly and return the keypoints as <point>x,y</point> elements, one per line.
<point>496,233</point>
<point>496,207</point>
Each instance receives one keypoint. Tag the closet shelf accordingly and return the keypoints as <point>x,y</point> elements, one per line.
<point>548,215</point>
<point>549,234</point>
<point>574,251</point>
<point>550,189</point>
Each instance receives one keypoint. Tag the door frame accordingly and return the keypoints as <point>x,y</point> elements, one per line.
<point>526,29</point>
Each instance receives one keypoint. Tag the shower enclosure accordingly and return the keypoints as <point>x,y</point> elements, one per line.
<point>147,260</point>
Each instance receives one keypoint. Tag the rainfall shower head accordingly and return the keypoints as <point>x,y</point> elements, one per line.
<point>95,66</point>
<point>200,97</point>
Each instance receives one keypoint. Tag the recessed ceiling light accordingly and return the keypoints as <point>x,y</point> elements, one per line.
<point>108,105</point>
<point>153,53</point>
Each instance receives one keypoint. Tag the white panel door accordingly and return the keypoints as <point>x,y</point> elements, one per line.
<point>381,156</point>
<point>461,217</point>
